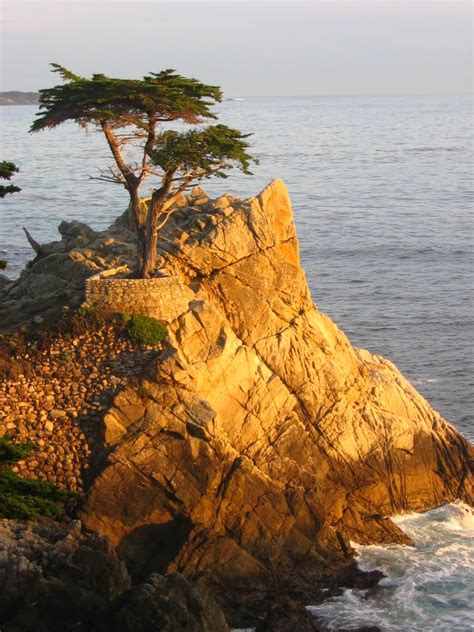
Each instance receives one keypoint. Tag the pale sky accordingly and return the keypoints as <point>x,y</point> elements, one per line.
<point>248,48</point>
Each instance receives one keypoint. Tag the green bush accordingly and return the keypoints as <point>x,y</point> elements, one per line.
<point>146,330</point>
<point>85,310</point>
<point>24,498</point>
<point>11,452</point>
<point>28,499</point>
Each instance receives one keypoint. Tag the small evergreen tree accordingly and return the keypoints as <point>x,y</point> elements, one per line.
<point>7,170</point>
<point>130,112</point>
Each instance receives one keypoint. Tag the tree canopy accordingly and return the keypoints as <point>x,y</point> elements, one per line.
<point>201,153</point>
<point>131,112</point>
<point>158,97</point>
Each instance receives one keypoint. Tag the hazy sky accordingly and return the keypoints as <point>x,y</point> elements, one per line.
<point>248,48</point>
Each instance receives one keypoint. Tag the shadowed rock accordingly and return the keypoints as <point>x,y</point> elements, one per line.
<point>53,579</point>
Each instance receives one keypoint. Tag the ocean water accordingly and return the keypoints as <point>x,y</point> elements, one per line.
<point>382,195</point>
<point>428,588</point>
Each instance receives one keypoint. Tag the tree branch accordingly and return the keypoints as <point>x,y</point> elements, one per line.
<point>150,141</point>
<point>125,170</point>
<point>169,203</point>
<point>104,178</point>
<point>34,244</point>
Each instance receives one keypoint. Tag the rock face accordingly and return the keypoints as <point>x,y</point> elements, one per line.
<point>52,579</point>
<point>56,277</point>
<point>261,442</point>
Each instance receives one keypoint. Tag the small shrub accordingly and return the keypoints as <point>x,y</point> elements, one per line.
<point>11,452</point>
<point>85,310</point>
<point>23,498</point>
<point>146,330</point>
<point>28,499</point>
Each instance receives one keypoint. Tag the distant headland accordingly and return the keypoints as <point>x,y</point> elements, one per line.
<point>18,98</point>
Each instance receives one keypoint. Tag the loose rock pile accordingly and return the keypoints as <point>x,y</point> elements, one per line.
<point>59,403</point>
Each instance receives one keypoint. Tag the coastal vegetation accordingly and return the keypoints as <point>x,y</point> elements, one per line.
<point>25,498</point>
<point>7,171</point>
<point>146,330</point>
<point>130,114</point>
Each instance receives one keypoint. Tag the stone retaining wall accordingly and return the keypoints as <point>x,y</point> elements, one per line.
<point>164,298</point>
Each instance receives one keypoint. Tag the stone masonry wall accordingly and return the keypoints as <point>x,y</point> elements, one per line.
<point>163,298</point>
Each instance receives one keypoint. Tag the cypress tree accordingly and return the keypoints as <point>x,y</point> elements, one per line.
<point>130,112</point>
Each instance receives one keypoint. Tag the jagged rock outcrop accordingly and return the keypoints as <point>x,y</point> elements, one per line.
<point>55,277</point>
<point>53,578</point>
<point>262,442</point>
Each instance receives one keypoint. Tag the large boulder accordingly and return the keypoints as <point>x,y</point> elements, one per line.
<point>55,278</point>
<point>261,442</point>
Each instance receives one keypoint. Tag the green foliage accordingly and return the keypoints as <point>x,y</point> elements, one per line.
<point>85,310</point>
<point>11,452</point>
<point>29,499</point>
<point>129,112</point>
<point>146,330</point>
<point>163,96</point>
<point>23,498</point>
<point>7,170</point>
<point>202,153</point>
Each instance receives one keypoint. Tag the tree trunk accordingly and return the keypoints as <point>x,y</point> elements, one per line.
<point>151,238</point>
<point>140,220</point>
<point>132,184</point>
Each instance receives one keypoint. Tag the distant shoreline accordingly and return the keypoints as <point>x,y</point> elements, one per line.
<point>18,98</point>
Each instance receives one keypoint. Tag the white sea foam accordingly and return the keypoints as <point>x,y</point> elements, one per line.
<point>428,587</point>
<point>422,381</point>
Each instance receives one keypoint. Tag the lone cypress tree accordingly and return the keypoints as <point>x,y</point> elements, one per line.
<point>130,112</point>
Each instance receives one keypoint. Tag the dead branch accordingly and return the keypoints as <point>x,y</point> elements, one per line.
<point>34,244</point>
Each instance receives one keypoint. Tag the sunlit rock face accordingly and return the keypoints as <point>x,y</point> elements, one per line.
<point>261,442</point>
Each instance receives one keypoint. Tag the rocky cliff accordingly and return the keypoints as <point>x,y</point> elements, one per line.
<point>260,442</point>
